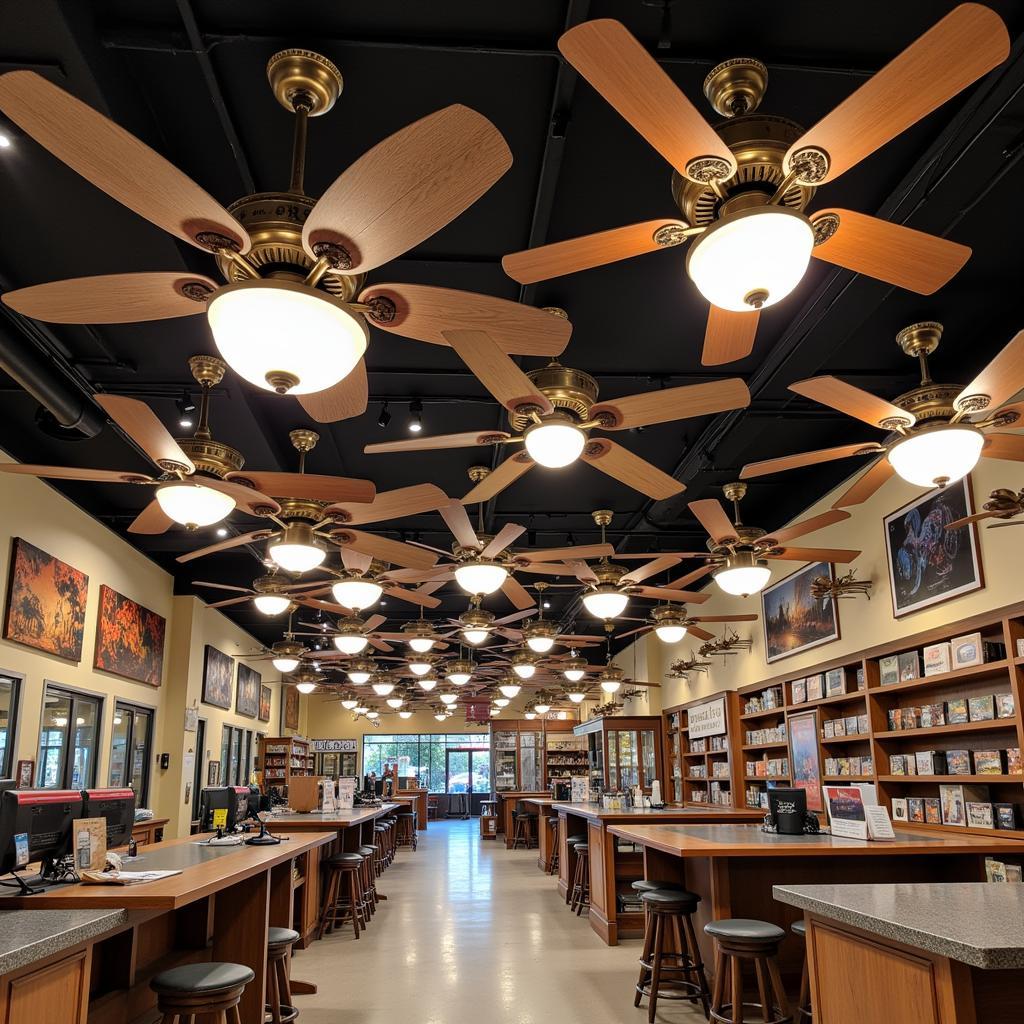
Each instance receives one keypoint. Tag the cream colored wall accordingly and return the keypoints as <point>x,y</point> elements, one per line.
<point>862,623</point>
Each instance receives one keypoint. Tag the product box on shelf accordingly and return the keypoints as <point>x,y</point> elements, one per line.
<point>899,808</point>
<point>816,686</point>
<point>937,659</point>
<point>1007,816</point>
<point>799,690</point>
<point>889,669</point>
<point>988,762</point>
<point>958,762</point>
<point>933,715</point>
<point>956,711</point>
<point>979,815</point>
<point>932,810</point>
<point>828,728</point>
<point>955,798</point>
<point>1004,705</point>
<point>1014,765</point>
<point>981,709</point>
<point>910,666</point>
<point>835,682</point>
<point>915,809</point>
<point>930,762</point>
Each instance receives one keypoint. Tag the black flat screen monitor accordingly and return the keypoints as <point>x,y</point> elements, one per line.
<point>232,799</point>
<point>788,806</point>
<point>117,806</point>
<point>44,814</point>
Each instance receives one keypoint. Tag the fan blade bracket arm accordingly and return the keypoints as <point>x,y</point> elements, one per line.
<point>809,166</point>
<point>674,233</point>
<point>709,170</point>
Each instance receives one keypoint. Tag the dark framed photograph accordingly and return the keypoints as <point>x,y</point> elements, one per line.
<point>45,602</point>
<point>218,669</point>
<point>247,692</point>
<point>265,695</point>
<point>804,758</point>
<point>26,773</point>
<point>794,621</point>
<point>927,563</point>
<point>289,708</point>
<point>129,639</point>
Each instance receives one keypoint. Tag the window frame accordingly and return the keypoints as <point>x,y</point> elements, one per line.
<point>13,721</point>
<point>74,695</point>
<point>133,707</point>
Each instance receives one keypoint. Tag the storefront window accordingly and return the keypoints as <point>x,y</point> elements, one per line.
<point>67,740</point>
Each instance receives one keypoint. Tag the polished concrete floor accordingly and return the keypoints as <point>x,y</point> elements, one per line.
<point>472,933</point>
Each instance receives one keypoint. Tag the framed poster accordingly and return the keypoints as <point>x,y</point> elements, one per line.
<point>25,775</point>
<point>218,669</point>
<point>805,763</point>
<point>289,708</point>
<point>213,773</point>
<point>129,639</point>
<point>794,621</point>
<point>45,602</point>
<point>926,562</point>
<point>265,703</point>
<point>247,693</point>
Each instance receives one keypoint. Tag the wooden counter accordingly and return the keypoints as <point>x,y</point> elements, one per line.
<point>417,798</point>
<point>612,866</point>
<point>149,831</point>
<point>733,868</point>
<point>507,809</point>
<point>353,827</point>
<point>545,833</point>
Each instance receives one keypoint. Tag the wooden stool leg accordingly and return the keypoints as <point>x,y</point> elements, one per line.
<point>698,963</point>
<point>353,898</point>
<point>284,984</point>
<point>779,991</point>
<point>659,945</point>
<point>645,956</point>
<point>804,1004</point>
<point>274,993</point>
<point>716,997</point>
<point>763,991</point>
<point>736,977</point>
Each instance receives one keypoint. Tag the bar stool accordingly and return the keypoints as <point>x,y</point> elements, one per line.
<point>523,830</point>
<point>367,878</point>
<point>406,835</point>
<point>188,991</point>
<point>668,975</point>
<point>804,1010</point>
<point>553,859</point>
<point>739,940</point>
<point>572,842</point>
<point>581,881</point>
<point>340,905</point>
<point>381,832</point>
<point>279,989</point>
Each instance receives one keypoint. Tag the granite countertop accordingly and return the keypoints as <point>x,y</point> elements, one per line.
<point>977,923</point>
<point>30,935</point>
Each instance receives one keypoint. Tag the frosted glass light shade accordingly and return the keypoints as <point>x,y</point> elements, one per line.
<point>419,668</point>
<point>610,685</point>
<point>383,689</point>
<point>530,715</point>
<point>357,593</point>
<point>426,684</point>
<point>305,687</point>
<point>440,716</point>
<point>481,578</point>
<point>670,634</point>
<point>540,644</point>
<point>742,580</point>
<point>475,636</point>
<point>192,504</point>
<point>576,696</point>
<point>405,714</point>
<point>448,698</point>
<point>525,670</point>
<point>751,259</point>
<point>421,644</point>
<point>351,643</point>
<point>359,677</point>
<point>501,702</point>
<point>286,337</point>
<point>394,702</point>
<point>574,675</point>
<point>936,457</point>
<point>509,689</point>
<point>555,442</point>
<point>285,664</point>
<point>372,715</point>
<point>349,704</point>
<point>542,709</point>
<point>297,549</point>
<point>271,604</point>
<point>605,602</point>
<point>459,678</point>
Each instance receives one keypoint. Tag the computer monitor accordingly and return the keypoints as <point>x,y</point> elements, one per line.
<point>234,800</point>
<point>117,806</point>
<point>378,787</point>
<point>45,815</point>
<point>254,801</point>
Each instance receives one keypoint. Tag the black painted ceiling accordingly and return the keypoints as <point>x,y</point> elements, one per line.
<point>188,78</point>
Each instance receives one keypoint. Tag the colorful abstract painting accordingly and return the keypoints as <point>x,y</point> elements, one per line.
<point>45,602</point>
<point>265,703</point>
<point>129,639</point>
<point>794,621</point>
<point>218,669</point>
<point>247,693</point>
<point>803,751</point>
<point>289,708</point>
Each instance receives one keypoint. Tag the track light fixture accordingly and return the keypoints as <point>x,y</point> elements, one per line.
<point>385,417</point>
<point>186,411</point>
<point>415,416</point>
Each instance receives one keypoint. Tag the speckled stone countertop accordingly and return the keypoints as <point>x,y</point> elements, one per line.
<point>977,923</point>
<point>30,935</point>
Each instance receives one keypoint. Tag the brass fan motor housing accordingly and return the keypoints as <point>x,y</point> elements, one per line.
<point>304,80</point>
<point>288,649</point>
<point>476,618</point>
<point>608,573</point>
<point>211,456</point>
<point>928,401</point>
<point>565,388</point>
<point>736,86</point>
<point>300,508</point>
<point>269,584</point>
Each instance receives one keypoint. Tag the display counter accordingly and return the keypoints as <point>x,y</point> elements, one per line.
<point>507,809</point>
<point>417,799</point>
<point>545,833</point>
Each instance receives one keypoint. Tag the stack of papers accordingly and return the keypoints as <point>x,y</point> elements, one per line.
<point>123,877</point>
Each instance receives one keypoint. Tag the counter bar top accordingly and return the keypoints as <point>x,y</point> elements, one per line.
<point>27,936</point>
<point>709,813</point>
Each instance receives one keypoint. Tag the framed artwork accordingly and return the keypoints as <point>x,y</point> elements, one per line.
<point>926,562</point>
<point>45,602</point>
<point>129,638</point>
<point>26,773</point>
<point>289,708</point>
<point>265,703</point>
<point>803,757</point>
<point>213,773</point>
<point>247,692</point>
<point>794,621</point>
<point>218,668</point>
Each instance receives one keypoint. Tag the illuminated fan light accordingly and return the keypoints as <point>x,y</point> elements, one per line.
<point>576,696</point>
<point>440,716</point>
<point>405,714</point>
<point>743,574</point>
<point>460,672</point>
<point>480,577</point>
<point>509,689</point>
<point>501,702</point>
<point>475,636</point>
<point>670,633</point>
<point>540,644</point>
<point>421,644</point>
<point>271,604</point>
<point>359,676</point>
<point>610,685</point>
<point>285,665</point>
<point>495,712</point>
<point>562,715</point>
<point>193,505</point>
<point>357,592</point>
<point>361,710</point>
<point>348,704</point>
<point>448,698</point>
<point>382,689</point>
<point>542,709</point>
<point>524,669</point>
<point>605,602</point>
<point>351,643</point>
<point>297,549</point>
<point>531,715</point>
<point>394,702</point>
<point>286,337</point>
<point>426,684</point>
<point>939,456</point>
<point>372,715</point>
<point>554,442</point>
<point>419,668</point>
<point>574,670</point>
<point>751,259</point>
<point>305,687</point>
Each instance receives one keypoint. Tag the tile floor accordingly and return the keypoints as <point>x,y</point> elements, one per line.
<point>473,933</point>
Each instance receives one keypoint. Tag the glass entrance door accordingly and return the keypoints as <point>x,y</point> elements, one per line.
<point>469,772</point>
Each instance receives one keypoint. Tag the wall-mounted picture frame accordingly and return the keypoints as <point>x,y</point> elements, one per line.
<point>213,773</point>
<point>25,774</point>
<point>247,691</point>
<point>289,708</point>
<point>804,759</point>
<point>129,639</point>
<point>926,563</point>
<point>46,601</point>
<point>218,670</point>
<point>794,620</point>
<point>265,698</point>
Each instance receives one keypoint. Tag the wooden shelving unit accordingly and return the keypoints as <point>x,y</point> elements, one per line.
<point>692,773</point>
<point>283,758</point>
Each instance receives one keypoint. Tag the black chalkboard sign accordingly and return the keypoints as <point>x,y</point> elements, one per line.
<point>788,807</point>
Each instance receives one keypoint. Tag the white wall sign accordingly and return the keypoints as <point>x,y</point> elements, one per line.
<point>333,746</point>
<point>706,719</point>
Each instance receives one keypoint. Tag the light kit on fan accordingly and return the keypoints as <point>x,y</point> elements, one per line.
<point>605,601</point>
<point>669,624</point>
<point>576,696</point>
<point>427,683</point>
<point>271,604</point>
<point>460,671</point>
<point>395,702</point>
<point>440,716</point>
<point>360,671</point>
<point>382,687</point>
<point>306,681</point>
<point>351,643</point>
<point>421,644</point>
<point>419,635</point>
<point>480,576</point>
<point>554,441</point>
<point>371,714</point>
<point>574,669</point>
<point>356,592</point>
<point>297,549</point>
<point>524,665</point>
<point>405,714</point>
<point>610,678</point>
<point>742,574</point>
<point>502,702</point>
<point>540,634</point>
<point>349,703</point>
<point>937,456</point>
<point>448,698</point>
<point>286,656</point>
<point>509,689</point>
<point>475,636</point>
<point>192,505</point>
<point>530,715</point>
<point>418,667</point>
<point>541,708</point>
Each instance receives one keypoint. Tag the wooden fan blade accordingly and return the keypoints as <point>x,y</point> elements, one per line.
<point>843,397</point>
<point>585,252</point>
<point>504,538</point>
<point>504,475</point>
<point>867,484</point>
<point>690,577</point>
<point>374,622</point>
<point>383,548</point>
<point>712,517</point>
<point>633,632</point>
<point>408,186</point>
<point>456,519</point>
<point>344,400</point>
<point>958,50</point>
<point>1004,446</point>
<point>412,597</point>
<point>545,569</point>
<point>111,298</point>
<point>967,520</point>
<point>99,476</point>
<point>395,504</point>
<point>225,545</point>
<point>1001,379</point>
<point>312,486</point>
<point>663,594</point>
<point>578,552</point>
<point>818,522</point>
<point>514,617</point>
<point>493,368</point>
<point>246,499</point>
<point>672,404</point>
<point>582,571</point>
<point>151,520</point>
<point>642,572</point>
<point>439,572</point>
<point>223,586</point>
<point>230,601</point>
<point>355,561</point>
<point>441,441</point>
<point>516,593</point>
<point>143,426</point>
<point>892,253</point>
<point>326,606</point>
<point>380,645</point>
<point>816,555</point>
<point>425,313</point>
<point>115,161</point>
<point>638,556</point>
<point>754,469</point>
<point>724,618</point>
<point>700,634</point>
<point>728,336</point>
<point>610,58</point>
<point>622,465</point>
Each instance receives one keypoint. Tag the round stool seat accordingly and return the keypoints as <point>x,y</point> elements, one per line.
<point>523,816</point>
<point>654,885</point>
<point>573,840</point>
<point>367,851</point>
<point>553,820</point>
<point>582,848</point>
<point>666,899</point>
<point>799,928</point>
<point>281,936</point>
<point>407,813</point>
<point>344,860</point>
<point>198,978</point>
<point>745,930</point>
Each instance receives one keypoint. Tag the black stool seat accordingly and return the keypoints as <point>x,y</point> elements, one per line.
<point>553,820</point>
<point>745,930</point>
<point>799,928</point>
<point>524,816</point>
<point>366,851</point>
<point>212,977</point>
<point>582,848</point>
<point>281,936</point>
<point>573,840</point>
<point>653,885</point>
<point>664,899</point>
<point>346,859</point>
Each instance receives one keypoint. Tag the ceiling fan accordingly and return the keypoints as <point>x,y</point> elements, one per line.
<point>671,623</point>
<point>739,553</point>
<point>1002,504</point>
<point>293,267</point>
<point>271,594</point>
<point>743,187</point>
<point>937,432</point>
<point>554,409</point>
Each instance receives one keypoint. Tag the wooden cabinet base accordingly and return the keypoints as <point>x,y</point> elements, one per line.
<point>57,993</point>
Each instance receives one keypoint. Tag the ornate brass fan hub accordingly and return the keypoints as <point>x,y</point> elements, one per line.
<point>288,649</point>
<point>666,614</point>
<point>351,625</point>
<point>269,584</point>
<point>304,80</point>
<point>608,573</point>
<point>565,388</point>
<point>476,618</point>
<point>301,508</point>
<point>928,401</point>
<point>211,456</point>
<point>418,628</point>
